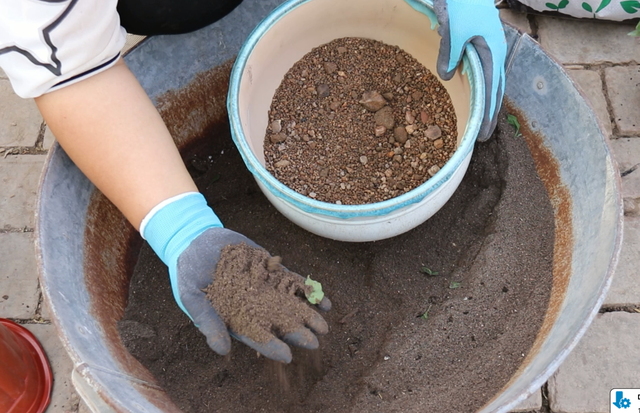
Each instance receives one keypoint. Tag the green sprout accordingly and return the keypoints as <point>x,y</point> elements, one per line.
<point>513,121</point>
<point>426,270</point>
<point>455,285</point>
<point>316,294</point>
<point>425,315</point>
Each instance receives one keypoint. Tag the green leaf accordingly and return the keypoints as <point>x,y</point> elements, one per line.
<point>316,294</point>
<point>630,6</point>
<point>425,315</point>
<point>513,121</point>
<point>455,285</point>
<point>426,270</point>
<point>636,32</point>
<point>551,6</point>
<point>604,4</point>
<point>587,7</point>
<point>563,4</point>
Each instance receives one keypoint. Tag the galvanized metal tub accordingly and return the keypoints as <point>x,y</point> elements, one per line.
<point>86,251</point>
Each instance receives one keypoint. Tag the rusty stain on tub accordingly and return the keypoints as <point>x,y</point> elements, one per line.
<point>548,170</point>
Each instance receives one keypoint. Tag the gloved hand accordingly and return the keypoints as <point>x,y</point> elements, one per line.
<point>478,22</point>
<point>189,238</point>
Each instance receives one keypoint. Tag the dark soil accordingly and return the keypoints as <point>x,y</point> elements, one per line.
<point>401,338</point>
<point>356,121</point>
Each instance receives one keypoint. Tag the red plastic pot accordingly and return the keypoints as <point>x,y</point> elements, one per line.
<point>25,373</point>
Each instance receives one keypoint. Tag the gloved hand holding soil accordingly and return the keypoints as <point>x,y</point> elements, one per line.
<point>263,304</point>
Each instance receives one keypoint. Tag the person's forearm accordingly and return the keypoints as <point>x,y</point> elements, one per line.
<point>114,134</point>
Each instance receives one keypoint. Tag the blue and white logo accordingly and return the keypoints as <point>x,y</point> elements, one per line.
<point>624,400</point>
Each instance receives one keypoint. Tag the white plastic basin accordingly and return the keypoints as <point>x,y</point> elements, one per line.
<point>283,38</point>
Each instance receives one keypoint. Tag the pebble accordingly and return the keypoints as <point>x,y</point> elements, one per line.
<point>433,170</point>
<point>410,118</point>
<point>282,163</point>
<point>330,67</point>
<point>372,101</point>
<point>342,49</point>
<point>388,96</point>
<point>433,132</point>
<point>278,137</point>
<point>380,130</point>
<point>439,143</point>
<point>384,117</point>
<point>425,118</point>
<point>410,129</point>
<point>397,158</point>
<point>364,160</point>
<point>276,126</point>
<point>400,134</point>
<point>323,90</point>
<point>417,95</point>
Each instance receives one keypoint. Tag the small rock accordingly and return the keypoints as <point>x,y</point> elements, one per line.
<point>433,132</point>
<point>388,96</point>
<point>273,263</point>
<point>417,95</point>
<point>278,138</point>
<point>276,126</point>
<point>364,160</point>
<point>384,117</point>
<point>397,78</point>
<point>330,67</point>
<point>410,118</point>
<point>380,130</point>
<point>324,172</point>
<point>438,143</point>
<point>401,59</point>
<point>433,170</point>
<point>372,101</point>
<point>312,144</point>
<point>410,129</point>
<point>425,118</point>
<point>397,158</point>
<point>400,134</point>
<point>323,90</point>
<point>398,151</point>
<point>423,155</point>
<point>282,163</point>
<point>304,73</point>
<point>342,49</point>
<point>388,173</point>
<point>334,105</point>
<point>313,194</point>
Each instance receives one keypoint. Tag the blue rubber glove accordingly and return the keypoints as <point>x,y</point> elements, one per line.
<point>477,22</point>
<point>186,234</point>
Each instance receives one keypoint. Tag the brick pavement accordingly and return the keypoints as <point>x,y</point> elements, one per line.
<point>602,60</point>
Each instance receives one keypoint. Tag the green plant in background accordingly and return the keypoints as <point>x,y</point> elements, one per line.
<point>636,32</point>
<point>316,294</point>
<point>561,5</point>
<point>513,121</point>
<point>454,285</point>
